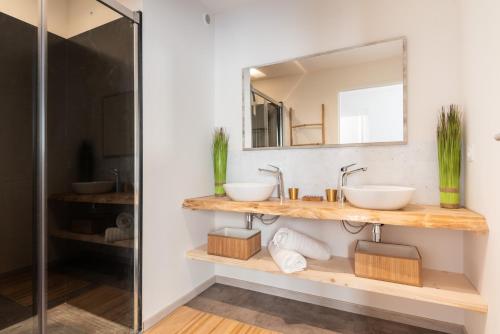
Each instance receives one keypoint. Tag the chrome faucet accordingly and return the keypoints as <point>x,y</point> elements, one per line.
<point>277,172</point>
<point>116,173</point>
<point>342,181</point>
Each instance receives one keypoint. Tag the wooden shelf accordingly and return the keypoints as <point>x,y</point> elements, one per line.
<point>306,125</point>
<point>308,144</point>
<point>92,238</point>
<point>423,216</point>
<point>439,287</point>
<point>108,198</point>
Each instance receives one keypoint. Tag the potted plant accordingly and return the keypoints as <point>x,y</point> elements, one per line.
<point>449,140</point>
<point>219,152</point>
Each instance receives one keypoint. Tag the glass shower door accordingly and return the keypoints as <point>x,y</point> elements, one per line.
<point>92,158</point>
<point>267,121</point>
<point>70,174</point>
<point>18,101</point>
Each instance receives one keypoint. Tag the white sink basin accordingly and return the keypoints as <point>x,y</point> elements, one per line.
<point>97,187</point>
<point>379,197</point>
<point>249,192</point>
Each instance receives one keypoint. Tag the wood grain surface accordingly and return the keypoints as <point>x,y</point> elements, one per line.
<point>423,216</point>
<point>108,198</point>
<point>65,319</point>
<point>236,248</point>
<point>439,287</point>
<point>186,320</point>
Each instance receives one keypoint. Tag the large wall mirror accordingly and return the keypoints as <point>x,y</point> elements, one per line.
<point>349,97</point>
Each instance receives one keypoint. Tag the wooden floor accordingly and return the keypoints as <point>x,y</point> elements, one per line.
<point>106,302</point>
<point>222,309</point>
<point>186,320</point>
<point>106,296</point>
<point>19,287</point>
<point>65,319</point>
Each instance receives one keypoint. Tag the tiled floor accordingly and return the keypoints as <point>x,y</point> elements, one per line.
<point>289,316</point>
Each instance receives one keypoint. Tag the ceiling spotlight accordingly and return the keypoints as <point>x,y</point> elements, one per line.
<point>256,74</point>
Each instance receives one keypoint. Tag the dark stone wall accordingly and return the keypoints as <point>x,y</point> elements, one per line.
<point>82,72</point>
<point>100,69</point>
<point>97,64</point>
<point>18,64</point>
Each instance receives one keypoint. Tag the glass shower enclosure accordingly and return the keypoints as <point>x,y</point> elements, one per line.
<point>267,120</point>
<point>71,167</point>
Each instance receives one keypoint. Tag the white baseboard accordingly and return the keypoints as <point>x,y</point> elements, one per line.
<point>431,324</point>
<point>150,322</point>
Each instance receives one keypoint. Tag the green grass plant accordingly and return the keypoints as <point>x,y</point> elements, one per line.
<point>219,152</point>
<point>449,141</point>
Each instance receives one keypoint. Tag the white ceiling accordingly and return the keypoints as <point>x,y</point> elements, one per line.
<point>67,18</point>
<point>349,57</point>
<point>217,6</point>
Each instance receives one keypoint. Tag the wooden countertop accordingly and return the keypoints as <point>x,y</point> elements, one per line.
<point>439,287</point>
<point>107,198</point>
<point>423,216</point>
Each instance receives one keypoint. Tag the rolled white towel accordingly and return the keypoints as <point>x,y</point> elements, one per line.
<point>113,234</point>
<point>288,261</point>
<point>125,220</point>
<point>289,239</point>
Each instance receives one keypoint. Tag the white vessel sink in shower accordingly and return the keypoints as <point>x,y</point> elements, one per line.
<point>249,192</point>
<point>379,197</point>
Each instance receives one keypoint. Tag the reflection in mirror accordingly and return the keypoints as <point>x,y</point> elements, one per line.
<point>353,96</point>
<point>267,115</point>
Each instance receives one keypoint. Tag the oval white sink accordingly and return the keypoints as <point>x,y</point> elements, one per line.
<point>379,197</point>
<point>97,187</point>
<point>249,192</point>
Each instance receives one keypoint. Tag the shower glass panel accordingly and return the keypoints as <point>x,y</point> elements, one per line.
<point>90,169</point>
<point>70,127</point>
<point>267,121</point>
<point>18,98</point>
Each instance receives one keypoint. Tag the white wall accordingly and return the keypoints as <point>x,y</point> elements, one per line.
<point>481,62</point>
<point>178,95</point>
<point>178,122</point>
<point>293,28</point>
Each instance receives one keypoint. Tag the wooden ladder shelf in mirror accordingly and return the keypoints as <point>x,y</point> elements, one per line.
<point>307,125</point>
